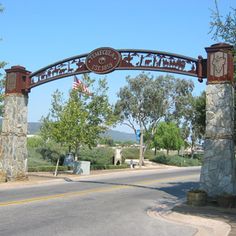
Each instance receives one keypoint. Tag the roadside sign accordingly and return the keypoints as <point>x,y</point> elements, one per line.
<point>138,133</point>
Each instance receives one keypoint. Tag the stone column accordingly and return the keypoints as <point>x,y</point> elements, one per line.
<point>13,157</point>
<point>218,170</point>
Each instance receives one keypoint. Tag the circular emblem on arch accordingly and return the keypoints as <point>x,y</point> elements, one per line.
<point>103,60</point>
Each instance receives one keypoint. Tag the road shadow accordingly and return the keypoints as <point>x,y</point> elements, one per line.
<point>117,184</point>
<point>179,189</point>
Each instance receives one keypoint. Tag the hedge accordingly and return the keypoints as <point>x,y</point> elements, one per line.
<point>176,161</point>
<point>46,168</point>
<point>106,167</point>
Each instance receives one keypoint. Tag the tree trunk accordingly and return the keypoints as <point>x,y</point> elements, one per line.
<point>77,152</point>
<point>55,173</point>
<point>141,148</point>
<point>155,152</point>
<point>167,152</point>
<point>192,150</point>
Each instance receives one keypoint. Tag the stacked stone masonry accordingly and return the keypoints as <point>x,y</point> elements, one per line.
<point>14,138</point>
<point>218,170</point>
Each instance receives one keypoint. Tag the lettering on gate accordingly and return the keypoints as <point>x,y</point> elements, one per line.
<point>103,60</point>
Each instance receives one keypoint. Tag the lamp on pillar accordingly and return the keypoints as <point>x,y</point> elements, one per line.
<point>18,80</point>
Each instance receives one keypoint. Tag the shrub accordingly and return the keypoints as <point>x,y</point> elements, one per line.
<point>176,161</point>
<point>46,168</point>
<point>34,142</point>
<point>133,153</point>
<point>97,156</point>
<point>106,167</point>
<point>35,159</point>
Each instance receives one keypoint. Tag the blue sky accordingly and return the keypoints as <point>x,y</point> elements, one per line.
<point>36,33</point>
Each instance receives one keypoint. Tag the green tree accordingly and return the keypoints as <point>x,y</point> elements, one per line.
<point>145,101</point>
<point>193,123</point>
<point>80,120</point>
<point>223,27</point>
<point>168,136</point>
<point>2,79</point>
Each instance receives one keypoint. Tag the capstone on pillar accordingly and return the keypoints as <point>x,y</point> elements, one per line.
<point>13,156</point>
<point>218,170</point>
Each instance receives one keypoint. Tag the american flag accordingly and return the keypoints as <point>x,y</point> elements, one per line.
<point>77,84</point>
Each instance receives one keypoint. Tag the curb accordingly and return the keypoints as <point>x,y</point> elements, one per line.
<point>204,226</point>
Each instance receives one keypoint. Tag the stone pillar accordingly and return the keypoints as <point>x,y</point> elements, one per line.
<point>13,157</point>
<point>218,170</point>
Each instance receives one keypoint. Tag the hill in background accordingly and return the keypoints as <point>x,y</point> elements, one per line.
<point>33,128</point>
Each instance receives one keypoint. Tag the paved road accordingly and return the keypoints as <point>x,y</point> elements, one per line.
<point>114,204</point>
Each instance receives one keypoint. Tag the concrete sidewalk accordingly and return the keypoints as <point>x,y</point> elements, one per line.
<point>210,212</point>
<point>209,220</point>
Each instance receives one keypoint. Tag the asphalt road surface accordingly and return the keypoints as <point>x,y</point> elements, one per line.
<point>111,205</point>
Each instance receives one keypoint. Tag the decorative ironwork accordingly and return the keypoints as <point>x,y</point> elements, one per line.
<point>68,67</point>
<point>158,61</point>
<point>130,60</point>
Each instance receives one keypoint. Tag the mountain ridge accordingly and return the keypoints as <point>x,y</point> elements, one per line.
<point>34,127</point>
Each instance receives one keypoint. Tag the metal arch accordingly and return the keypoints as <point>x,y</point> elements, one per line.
<point>131,59</point>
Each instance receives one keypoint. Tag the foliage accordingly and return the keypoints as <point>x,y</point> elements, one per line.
<point>194,122</point>
<point>108,167</point>
<point>2,79</point>
<point>223,27</point>
<point>199,115</point>
<point>52,153</point>
<point>107,141</point>
<point>80,120</point>
<point>168,136</point>
<point>34,142</point>
<point>97,155</point>
<point>176,161</point>
<point>2,93</point>
<point>35,159</point>
<point>146,100</point>
<point>46,168</point>
<point>133,153</point>
<point>44,153</point>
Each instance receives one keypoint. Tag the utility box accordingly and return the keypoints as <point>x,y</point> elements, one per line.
<point>81,168</point>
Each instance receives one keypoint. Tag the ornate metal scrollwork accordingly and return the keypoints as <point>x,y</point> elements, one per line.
<point>160,61</point>
<point>61,69</point>
<point>130,60</point>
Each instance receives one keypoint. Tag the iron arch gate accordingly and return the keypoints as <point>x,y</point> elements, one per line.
<point>217,68</point>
